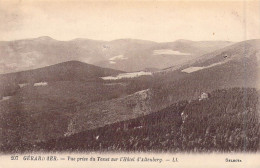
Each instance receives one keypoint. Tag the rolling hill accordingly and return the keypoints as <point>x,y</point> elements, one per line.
<point>40,104</point>
<point>213,71</point>
<point>67,71</point>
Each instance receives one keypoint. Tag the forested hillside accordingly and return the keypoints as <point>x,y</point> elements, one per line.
<point>190,85</point>
<point>226,121</point>
<point>66,71</point>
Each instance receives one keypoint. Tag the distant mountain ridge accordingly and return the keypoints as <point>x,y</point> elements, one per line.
<point>137,55</point>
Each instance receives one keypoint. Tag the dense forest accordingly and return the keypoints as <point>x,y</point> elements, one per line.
<point>226,121</point>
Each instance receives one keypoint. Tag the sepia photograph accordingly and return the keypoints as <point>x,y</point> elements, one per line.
<point>129,77</point>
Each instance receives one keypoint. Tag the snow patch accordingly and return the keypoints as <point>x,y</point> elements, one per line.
<point>118,57</point>
<point>5,98</point>
<point>127,75</point>
<point>21,85</point>
<point>194,69</point>
<point>112,62</point>
<point>169,52</point>
<point>41,84</point>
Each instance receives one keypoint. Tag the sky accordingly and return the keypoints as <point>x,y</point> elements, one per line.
<point>148,20</point>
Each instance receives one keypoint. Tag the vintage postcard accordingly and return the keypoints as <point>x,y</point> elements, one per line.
<point>129,84</point>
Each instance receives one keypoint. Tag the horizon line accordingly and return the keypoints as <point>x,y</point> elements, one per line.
<point>123,38</point>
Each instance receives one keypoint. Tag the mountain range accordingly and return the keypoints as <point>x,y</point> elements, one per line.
<point>67,99</point>
<point>123,54</point>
